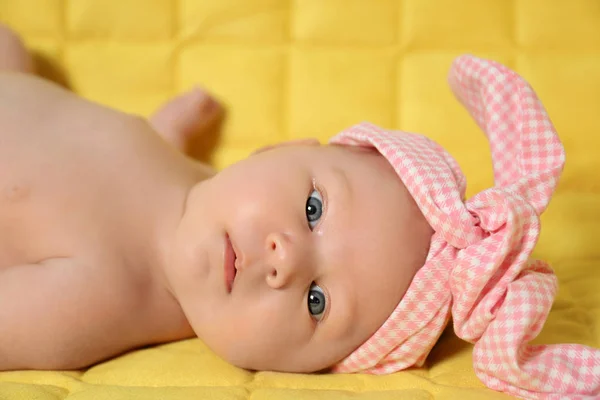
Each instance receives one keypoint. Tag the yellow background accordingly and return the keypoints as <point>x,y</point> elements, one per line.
<point>295,68</point>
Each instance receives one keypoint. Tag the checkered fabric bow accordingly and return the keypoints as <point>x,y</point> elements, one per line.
<point>478,268</point>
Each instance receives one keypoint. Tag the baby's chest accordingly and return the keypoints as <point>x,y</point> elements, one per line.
<point>54,205</point>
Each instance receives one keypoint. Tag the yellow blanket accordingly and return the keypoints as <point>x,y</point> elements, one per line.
<point>295,68</point>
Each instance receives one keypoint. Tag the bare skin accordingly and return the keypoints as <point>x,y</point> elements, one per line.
<point>111,238</point>
<point>13,55</point>
<point>63,226</point>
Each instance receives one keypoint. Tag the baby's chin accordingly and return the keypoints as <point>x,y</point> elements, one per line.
<point>290,365</point>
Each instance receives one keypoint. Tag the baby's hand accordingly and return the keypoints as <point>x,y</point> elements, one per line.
<point>186,118</point>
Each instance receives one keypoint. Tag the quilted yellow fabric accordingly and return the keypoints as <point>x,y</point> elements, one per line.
<point>295,68</point>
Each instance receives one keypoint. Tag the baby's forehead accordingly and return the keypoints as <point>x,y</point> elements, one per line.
<point>336,152</point>
<point>360,162</point>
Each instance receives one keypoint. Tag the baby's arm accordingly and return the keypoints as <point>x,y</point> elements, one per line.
<point>53,315</point>
<point>187,119</point>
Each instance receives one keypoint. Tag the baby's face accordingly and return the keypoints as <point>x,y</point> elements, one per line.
<point>292,258</point>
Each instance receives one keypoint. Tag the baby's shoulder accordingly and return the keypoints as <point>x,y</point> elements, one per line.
<point>38,114</point>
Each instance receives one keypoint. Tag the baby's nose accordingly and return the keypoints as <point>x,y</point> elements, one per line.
<point>286,260</point>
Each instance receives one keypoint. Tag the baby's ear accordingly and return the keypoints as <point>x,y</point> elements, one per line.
<point>295,142</point>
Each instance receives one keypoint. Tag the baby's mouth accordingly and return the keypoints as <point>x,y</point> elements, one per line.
<point>229,264</point>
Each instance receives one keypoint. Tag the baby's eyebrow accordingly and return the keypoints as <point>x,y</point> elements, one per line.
<point>342,311</point>
<point>341,177</point>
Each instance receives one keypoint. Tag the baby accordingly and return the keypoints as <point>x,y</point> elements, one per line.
<point>344,257</point>
<point>111,239</point>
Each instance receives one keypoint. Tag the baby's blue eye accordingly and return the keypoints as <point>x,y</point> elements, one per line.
<point>316,302</point>
<point>314,208</point>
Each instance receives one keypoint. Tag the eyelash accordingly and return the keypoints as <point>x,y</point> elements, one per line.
<point>323,193</point>
<point>327,304</point>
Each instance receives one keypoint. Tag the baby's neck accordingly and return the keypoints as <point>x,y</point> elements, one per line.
<point>159,265</point>
<point>167,226</point>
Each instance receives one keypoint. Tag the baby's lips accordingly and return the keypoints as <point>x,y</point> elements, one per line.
<point>229,268</point>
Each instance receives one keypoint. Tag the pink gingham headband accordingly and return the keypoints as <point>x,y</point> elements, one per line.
<point>478,269</point>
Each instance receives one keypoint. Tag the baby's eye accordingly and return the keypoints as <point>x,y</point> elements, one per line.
<point>316,302</point>
<point>314,208</point>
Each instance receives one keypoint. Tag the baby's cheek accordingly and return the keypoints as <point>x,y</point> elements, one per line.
<point>266,333</point>
<point>248,345</point>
